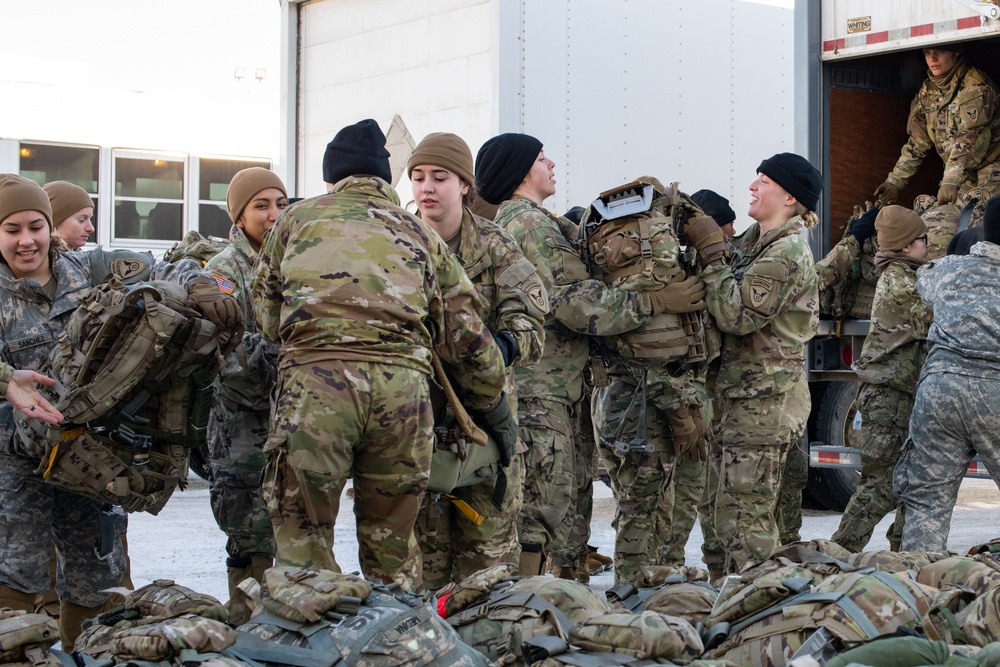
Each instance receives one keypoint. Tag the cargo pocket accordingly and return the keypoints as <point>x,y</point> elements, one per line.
<point>754,466</point>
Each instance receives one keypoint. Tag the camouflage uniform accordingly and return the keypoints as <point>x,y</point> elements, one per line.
<point>954,413</point>
<point>237,427</point>
<point>359,291</point>
<point>513,300</point>
<point>765,302</point>
<point>35,514</point>
<point>689,495</point>
<point>888,368</point>
<point>551,391</point>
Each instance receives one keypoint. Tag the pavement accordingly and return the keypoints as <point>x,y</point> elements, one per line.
<point>183,542</point>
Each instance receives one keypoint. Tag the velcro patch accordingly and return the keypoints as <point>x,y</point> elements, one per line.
<point>226,286</point>
<point>124,269</point>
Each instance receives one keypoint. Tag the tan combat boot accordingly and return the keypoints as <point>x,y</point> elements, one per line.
<point>237,571</point>
<point>71,618</point>
<point>532,561</point>
<point>598,562</point>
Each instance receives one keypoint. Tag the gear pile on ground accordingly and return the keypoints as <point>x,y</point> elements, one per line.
<point>812,603</point>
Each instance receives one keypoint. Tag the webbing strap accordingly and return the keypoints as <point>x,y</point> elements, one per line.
<point>256,648</point>
<point>899,589</point>
<point>464,507</point>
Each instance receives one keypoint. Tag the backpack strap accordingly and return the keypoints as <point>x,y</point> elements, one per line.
<point>509,598</point>
<point>252,647</point>
<point>542,647</point>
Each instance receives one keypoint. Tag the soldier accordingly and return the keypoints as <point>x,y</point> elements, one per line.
<point>956,112</point>
<point>358,291</point>
<point>513,172</point>
<point>514,304</point>
<point>72,211</point>
<point>238,424</point>
<point>888,367</point>
<point>40,290</point>
<point>765,302</point>
<point>954,412</point>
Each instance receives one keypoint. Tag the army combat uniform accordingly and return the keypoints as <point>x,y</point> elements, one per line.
<point>358,291</point>
<point>513,300</point>
<point>955,409</point>
<point>888,369</point>
<point>550,392</point>
<point>238,424</point>
<point>765,302</point>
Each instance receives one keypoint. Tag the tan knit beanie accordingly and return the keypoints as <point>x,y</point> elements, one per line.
<point>898,227</point>
<point>246,184</point>
<point>22,194</point>
<point>444,149</point>
<point>66,199</point>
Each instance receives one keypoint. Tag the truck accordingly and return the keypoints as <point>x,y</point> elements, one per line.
<point>693,91</point>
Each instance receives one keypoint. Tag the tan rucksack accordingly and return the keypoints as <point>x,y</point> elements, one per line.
<point>26,638</point>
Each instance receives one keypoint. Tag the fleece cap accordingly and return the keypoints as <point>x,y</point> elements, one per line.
<point>502,164</point>
<point>66,199</point>
<point>246,184</point>
<point>897,227</point>
<point>23,194</point>
<point>796,175</point>
<point>444,149</point>
<point>715,205</point>
<point>356,150</point>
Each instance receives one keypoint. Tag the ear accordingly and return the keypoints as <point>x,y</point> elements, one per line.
<point>240,223</point>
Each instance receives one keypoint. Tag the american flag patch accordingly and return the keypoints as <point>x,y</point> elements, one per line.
<point>226,286</point>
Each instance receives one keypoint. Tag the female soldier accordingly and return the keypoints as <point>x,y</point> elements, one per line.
<point>41,289</point>
<point>765,302</point>
<point>514,305</point>
<point>237,428</point>
<point>72,212</point>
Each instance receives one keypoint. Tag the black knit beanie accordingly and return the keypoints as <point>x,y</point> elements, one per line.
<point>794,173</point>
<point>502,164</point>
<point>357,149</point>
<point>715,205</point>
<point>991,221</point>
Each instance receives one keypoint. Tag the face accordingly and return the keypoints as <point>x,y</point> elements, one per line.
<point>728,230</point>
<point>917,249</point>
<point>24,244</point>
<point>940,62</point>
<point>77,228</point>
<point>767,199</point>
<point>438,192</point>
<point>260,214</point>
<point>540,182</point>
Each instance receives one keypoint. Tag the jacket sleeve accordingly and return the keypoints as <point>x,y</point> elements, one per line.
<point>916,146</point>
<point>976,105</point>
<point>834,267</point>
<point>266,285</point>
<point>521,299</point>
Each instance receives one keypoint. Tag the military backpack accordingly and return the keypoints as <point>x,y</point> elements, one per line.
<point>26,638</point>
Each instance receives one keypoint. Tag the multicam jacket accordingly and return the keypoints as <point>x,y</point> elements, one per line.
<point>896,344</point>
<point>766,303</point>
<point>961,122</point>
<point>352,276</point>
<point>578,306</point>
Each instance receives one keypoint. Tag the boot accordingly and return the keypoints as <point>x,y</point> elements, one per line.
<point>583,568</point>
<point>71,618</point>
<point>566,572</point>
<point>598,562</point>
<point>15,599</point>
<point>532,561</point>
<point>237,570</point>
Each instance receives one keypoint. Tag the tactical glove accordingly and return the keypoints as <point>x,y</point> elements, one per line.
<point>508,346</point>
<point>685,296</point>
<point>707,237</point>
<point>220,309</point>
<point>688,430</point>
<point>500,424</point>
<point>863,226</point>
<point>947,194</point>
<point>887,193</point>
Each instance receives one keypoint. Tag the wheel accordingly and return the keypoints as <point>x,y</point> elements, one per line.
<point>836,418</point>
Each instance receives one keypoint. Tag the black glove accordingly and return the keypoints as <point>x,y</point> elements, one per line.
<point>508,347</point>
<point>500,424</point>
<point>863,227</point>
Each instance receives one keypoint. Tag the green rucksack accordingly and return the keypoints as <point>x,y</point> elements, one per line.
<point>318,618</point>
<point>133,372</point>
<point>26,638</point>
<point>197,247</point>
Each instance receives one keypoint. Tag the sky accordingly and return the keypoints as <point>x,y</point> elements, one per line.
<point>143,73</point>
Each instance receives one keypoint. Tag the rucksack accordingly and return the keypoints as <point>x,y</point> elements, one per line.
<point>197,247</point>
<point>853,294</point>
<point>26,638</point>
<point>133,369</point>
<point>318,618</point>
<point>630,236</point>
<point>692,600</point>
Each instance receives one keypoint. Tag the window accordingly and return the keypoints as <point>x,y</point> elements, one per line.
<point>79,165</point>
<point>149,196</point>
<point>214,175</point>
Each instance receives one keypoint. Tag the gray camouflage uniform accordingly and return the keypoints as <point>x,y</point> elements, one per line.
<point>955,412</point>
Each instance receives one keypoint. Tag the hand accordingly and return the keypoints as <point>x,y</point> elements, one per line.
<point>220,309</point>
<point>688,430</point>
<point>22,394</point>
<point>508,346</point>
<point>707,237</point>
<point>947,194</point>
<point>685,296</point>
<point>887,193</point>
<point>500,424</point>
<point>863,227</point>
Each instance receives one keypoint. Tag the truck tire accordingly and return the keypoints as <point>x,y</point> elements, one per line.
<point>834,412</point>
